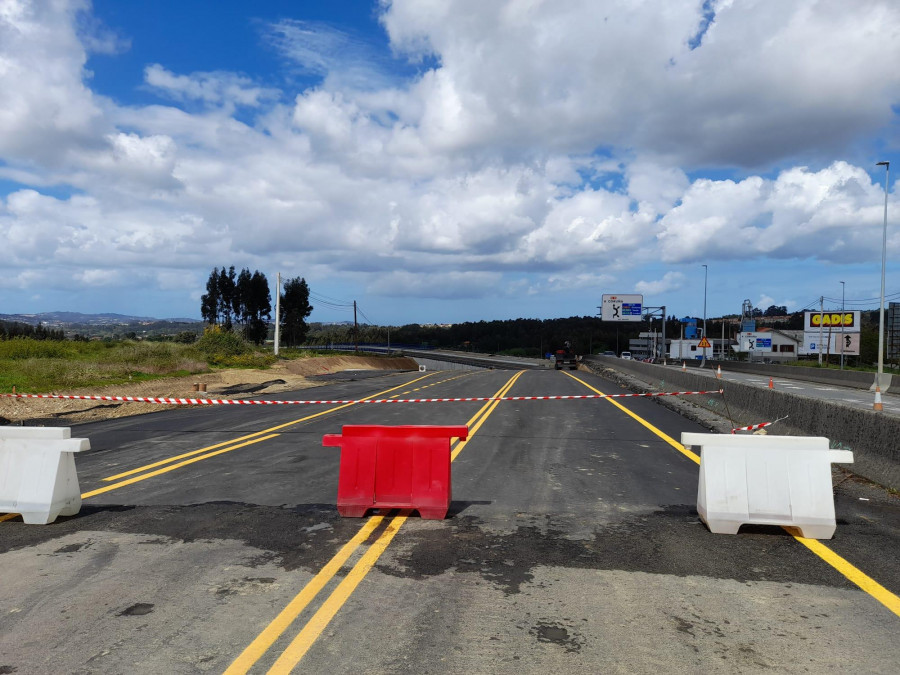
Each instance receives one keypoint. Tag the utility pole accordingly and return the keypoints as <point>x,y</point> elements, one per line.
<point>663,333</point>
<point>705,275</point>
<point>355,329</point>
<point>277,311</point>
<point>821,316</point>
<point>878,403</point>
<point>843,288</point>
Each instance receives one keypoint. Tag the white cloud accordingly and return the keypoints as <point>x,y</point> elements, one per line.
<point>341,58</point>
<point>46,110</point>
<point>210,88</point>
<point>545,146</point>
<point>831,215</point>
<point>671,281</point>
<point>765,83</point>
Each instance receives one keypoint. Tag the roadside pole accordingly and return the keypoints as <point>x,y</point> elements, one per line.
<point>277,311</point>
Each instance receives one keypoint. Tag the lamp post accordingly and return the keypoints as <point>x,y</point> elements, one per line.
<point>843,287</point>
<point>878,405</point>
<point>705,276</point>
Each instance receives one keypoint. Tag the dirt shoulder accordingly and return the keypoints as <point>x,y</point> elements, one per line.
<point>232,383</point>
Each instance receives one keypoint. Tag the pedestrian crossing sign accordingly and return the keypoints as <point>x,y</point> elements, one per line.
<point>704,343</point>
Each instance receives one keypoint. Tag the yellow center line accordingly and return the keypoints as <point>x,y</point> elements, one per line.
<point>159,472</point>
<point>284,619</point>
<point>847,569</point>
<point>295,651</point>
<point>304,640</point>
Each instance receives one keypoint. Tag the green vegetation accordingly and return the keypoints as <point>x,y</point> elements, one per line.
<point>37,366</point>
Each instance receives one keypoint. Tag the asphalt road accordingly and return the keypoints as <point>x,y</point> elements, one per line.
<point>572,545</point>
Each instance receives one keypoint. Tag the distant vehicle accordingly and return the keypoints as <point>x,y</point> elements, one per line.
<point>566,357</point>
<point>626,356</point>
<point>608,353</point>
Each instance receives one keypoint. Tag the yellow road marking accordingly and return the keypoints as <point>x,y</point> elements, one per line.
<point>274,630</point>
<point>253,435</point>
<point>8,516</point>
<point>284,619</point>
<point>295,651</point>
<point>851,572</point>
<point>489,408</point>
<point>159,472</point>
<point>661,434</point>
<point>854,574</point>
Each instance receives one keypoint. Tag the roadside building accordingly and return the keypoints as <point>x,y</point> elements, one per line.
<point>769,345</point>
<point>685,350</point>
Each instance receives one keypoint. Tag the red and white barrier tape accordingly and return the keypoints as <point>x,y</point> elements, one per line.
<point>230,401</point>
<point>754,427</point>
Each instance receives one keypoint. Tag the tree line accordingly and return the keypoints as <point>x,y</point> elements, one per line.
<point>242,300</point>
<point>536,337</point>
<point>15,329</point>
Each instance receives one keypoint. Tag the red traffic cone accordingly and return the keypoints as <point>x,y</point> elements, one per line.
<point>771,384</point>
<point>879,406</point>
<point>719,373</point>
<point>683,367</point>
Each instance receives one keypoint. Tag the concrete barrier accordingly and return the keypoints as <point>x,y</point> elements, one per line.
<point>766,480</point>
<point>839,378</point>
<point>37,473</point>
<point>871,436</point>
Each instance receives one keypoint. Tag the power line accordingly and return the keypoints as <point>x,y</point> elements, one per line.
<point>368,320</point>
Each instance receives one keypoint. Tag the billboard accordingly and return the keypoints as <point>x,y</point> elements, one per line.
<point>831,344</point>
<point>814,321</point>
<point>622,307</point>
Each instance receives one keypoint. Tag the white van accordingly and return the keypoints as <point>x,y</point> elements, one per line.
<point>626,356</point>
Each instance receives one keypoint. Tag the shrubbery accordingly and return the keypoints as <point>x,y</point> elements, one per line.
<point>225,348</point>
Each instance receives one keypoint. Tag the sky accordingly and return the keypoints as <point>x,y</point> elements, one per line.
<point>441,161</point>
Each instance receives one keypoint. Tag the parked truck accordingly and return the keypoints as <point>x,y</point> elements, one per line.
<point>566,357</point>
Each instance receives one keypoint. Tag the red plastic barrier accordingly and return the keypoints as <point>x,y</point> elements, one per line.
<point>394,467</point>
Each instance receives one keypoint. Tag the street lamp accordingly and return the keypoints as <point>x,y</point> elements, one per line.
<point>878,405</point>
<point>843,287</point>
<point>705,275</point>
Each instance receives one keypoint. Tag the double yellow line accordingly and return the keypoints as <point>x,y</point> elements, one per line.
<point>851,572</point>
<point>298,647</point>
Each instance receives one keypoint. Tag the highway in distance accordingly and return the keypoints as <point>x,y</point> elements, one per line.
<point>209,541</point>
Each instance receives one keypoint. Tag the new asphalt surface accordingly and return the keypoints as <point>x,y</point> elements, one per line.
<point>572,545</point>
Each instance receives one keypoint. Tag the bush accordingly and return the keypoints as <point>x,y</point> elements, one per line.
<point>27,348</point>
<point>217,343</point>
<point>186,337</point>
<point>224,348</point>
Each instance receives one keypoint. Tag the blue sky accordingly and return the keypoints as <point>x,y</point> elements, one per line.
<point>448,161</point>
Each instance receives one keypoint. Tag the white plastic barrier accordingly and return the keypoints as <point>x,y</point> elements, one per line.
<point>37,472</point>
<point>766,480</point>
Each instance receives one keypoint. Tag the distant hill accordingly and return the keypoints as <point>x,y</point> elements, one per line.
<point>70,319</point>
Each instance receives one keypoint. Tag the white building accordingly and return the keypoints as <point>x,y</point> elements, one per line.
<point>685,350</point>
<point>768,344</point>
